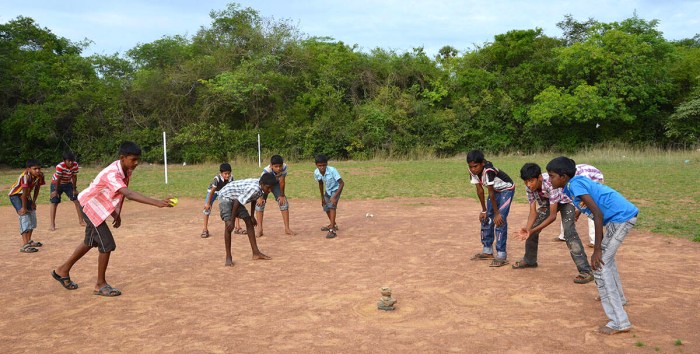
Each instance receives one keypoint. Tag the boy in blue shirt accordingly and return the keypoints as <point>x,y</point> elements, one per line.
<point>494,213</point>
<point>328,176</point>
<point>608,208</point>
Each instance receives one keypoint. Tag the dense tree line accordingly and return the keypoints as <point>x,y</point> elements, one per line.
<point>214,91</point>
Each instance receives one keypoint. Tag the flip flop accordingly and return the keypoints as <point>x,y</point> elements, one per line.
<point>35,243</point>
<point>482,257</point>
<point>583,278</point>
<point>610,331</point>
<point>204,234</point>
<point>65,282</point>
<point>523,265</point>
<point>107,290</point>
<point>498,262</point>
<point>28,249</point>
<point>326,228</point>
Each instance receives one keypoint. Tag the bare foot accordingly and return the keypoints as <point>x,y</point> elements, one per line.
<point>52,228</point>
<point>82,223</point>
<point>229,262</point>
<point>260,256</point>
<point>260,234</point>
<point>289,232</point>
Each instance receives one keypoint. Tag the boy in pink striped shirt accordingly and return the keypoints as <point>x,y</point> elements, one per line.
<point>103,198</point>
<point>65,180</point>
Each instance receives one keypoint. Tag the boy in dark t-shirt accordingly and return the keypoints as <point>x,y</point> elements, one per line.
<point>224,177</point>
<point>494,213</point>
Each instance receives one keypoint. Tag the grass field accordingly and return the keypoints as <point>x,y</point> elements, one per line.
<point>664,185</point>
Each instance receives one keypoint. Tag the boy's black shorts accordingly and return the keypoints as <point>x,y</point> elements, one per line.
<point>98,236</point>
<point>225,210</point>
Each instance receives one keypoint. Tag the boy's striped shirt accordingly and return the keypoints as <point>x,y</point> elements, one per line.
<point>102,197</point>
<point>26,180</point>
<point>64,174</point>
<point>243,190</point>
<point>589,171</point>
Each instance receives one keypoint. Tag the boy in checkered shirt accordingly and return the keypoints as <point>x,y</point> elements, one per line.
<point>65,180</point>
<point>232,201</point>
<point>102,199</point>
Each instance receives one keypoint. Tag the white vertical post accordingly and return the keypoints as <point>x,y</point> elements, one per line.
<point>259,155</point>
<point>165,157</point>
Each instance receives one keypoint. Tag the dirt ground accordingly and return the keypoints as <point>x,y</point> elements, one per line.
<point>320,295</point>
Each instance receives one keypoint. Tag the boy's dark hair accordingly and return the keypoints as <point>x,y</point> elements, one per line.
<point>562,165</point>
<point>321,158</point>
<point>276,160</point>
<point>129,148</point>
<point>33,162</point>
<point>475,156</point>
<point>268,179</point>
<point>530,170</point>
<point>67,155</point>
<point>225,167</point>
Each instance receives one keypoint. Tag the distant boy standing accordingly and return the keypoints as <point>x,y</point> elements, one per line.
<point>596,176</point>
<point>102,199</point>
<point>65,180</point>
<point>224,177</point>
<point>232,200</point>
<point>494,214</point>
<point>328,177</point>
<point>277,168</point>
<point>545,202</point>
<point>608,208</point>
<point>20,196</point>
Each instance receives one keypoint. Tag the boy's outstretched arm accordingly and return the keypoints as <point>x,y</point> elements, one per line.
<point>334,198</point>
<point>531,216</point>
<point>497,219</point>
<point>138,197</point>
<point>550,219</point>
<point>597,256</point>
<point>480,194</point>
<point>282,197</point>
<point>320,188</point>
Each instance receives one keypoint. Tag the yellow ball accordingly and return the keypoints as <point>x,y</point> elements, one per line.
<point>173,201</point>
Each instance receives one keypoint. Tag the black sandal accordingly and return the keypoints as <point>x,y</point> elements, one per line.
<point>107,290</point>
<point>65,281</point>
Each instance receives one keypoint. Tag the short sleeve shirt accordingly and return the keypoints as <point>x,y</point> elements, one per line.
<point>219,182</point>
<point>102,197</point>
<point>612,204</point>
<point>26,180</point>
<point>491,176</point>
<point>547,194</point>
<point>282,173</point>
<point>589,171</point>
<point>330,179</point>
<point>244,190</point>
<point>64,174</point>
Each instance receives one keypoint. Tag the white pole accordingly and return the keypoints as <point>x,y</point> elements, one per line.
<point>165,157</point>
<point>259,155</point>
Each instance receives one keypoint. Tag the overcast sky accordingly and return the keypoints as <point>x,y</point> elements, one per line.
<point>117,26</point>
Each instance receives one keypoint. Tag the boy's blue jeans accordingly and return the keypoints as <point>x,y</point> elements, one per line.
<point>607,277</point>
<point>489,230</point>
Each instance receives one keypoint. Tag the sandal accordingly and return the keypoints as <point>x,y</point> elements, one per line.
<point>610,331</point>
<point>523,265</point>
<point>240,231</point>
<point>65,281</point>
<point>35,243</point>
<point>205,234</point>
<point>331,234</point>
<point>583,278</point>
<point>328,228</point>
<point>498,262</point>
<point>482,257</point>
<point>28,249</point>
<point>108,291</point>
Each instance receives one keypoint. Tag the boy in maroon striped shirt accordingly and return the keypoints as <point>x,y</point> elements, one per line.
<point>65,180</point>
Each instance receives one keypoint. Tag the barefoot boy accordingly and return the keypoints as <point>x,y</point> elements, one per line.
<point>21,198</point>
<point>278,169</point>
<point>103,198</point>
<point>232,200</point>
<point>329,177</point>
<point>610,209</point>
<point>494,213</point>
<point>545,202</point>
<point>65,180</point>
<point>224,177</point>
